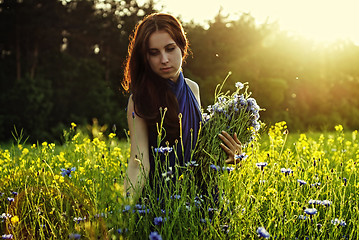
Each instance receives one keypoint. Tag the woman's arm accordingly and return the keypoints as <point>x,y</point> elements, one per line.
<point>138,164</point>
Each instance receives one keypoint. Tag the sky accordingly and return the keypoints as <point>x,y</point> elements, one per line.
<point>319,20</point>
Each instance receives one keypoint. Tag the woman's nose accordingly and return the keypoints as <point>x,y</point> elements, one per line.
<point>164,58</point>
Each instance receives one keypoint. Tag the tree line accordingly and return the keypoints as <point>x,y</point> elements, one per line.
<point>61,61</point>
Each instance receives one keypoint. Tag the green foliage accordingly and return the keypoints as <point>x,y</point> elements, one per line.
<point>76,188</point>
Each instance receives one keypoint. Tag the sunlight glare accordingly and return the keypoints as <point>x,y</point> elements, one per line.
<point>320,20</point>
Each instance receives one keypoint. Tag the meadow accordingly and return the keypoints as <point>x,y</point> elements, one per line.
<point>291,186</point>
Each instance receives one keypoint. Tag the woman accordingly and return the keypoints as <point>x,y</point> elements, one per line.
<point>153,73</point>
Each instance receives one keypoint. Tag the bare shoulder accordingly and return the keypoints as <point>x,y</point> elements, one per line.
<point>193,85</point>
<point>130,106</point>
<point>195,89</point>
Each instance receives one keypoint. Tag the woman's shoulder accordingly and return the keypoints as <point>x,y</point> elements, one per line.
<point>194,88</point>
<point>192,84</point>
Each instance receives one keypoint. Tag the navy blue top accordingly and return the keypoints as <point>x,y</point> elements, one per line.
<point>191,118</point>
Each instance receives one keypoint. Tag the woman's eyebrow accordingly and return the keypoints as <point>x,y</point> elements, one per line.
<point>168,45</point>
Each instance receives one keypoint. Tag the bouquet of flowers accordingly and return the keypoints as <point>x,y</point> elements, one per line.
<point>233,113</point>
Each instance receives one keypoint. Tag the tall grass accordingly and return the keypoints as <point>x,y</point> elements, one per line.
<point>76,191</point>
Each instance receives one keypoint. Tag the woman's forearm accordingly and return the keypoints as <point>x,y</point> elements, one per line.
<point>136,177</point>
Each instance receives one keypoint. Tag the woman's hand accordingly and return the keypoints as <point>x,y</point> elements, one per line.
<point>231,145</point>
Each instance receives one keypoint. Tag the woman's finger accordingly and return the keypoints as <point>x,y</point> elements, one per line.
<point>226,141</point>
<point>236,139</point>
<point>226,149</point>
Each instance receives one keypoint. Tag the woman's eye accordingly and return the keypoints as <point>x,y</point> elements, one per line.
<point>170,49</point>
<point>153,53</point>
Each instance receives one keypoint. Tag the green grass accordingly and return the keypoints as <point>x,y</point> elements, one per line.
<point>91,202</point>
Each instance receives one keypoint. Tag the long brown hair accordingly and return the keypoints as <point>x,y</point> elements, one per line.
<point>150,91</point>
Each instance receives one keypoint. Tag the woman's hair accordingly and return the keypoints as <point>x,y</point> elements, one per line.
<point>149,90</point>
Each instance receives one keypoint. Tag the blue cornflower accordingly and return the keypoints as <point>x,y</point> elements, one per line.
<point>192,164</point>
<point>164,150</point>
<point>317,184</point>
<point>310,211</point>
<point>139,206</point>
<point>67,172</point>
<point>302,182</point>
<point>326,202</point>
<point>239,85</point>
<point>286,171</point>
<point>228,169</point>
<point>75,236</point>
<point>345,181</point>
<point>155,236</point>
<point>7,236</point>
<point>10,199</point>
<point>203,220</point>
<point>262,232</point>
<point>176,196</point>
<point>122,231</point>
<point>5,216</point>
<point>302,217</point>
<point>1,194</point>
<point>158,220</point>
<point>261,165</point>
<point>79,219</point>
<point>241,156</point>
<point>214,167</point>
<point>315,202</point>
<point>14,193</point>
<point>127,208</point>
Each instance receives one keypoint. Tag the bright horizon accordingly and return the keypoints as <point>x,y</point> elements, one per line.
<point>319,20</point>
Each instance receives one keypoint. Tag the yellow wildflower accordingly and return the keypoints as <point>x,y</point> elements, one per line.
<point>14,220</point>
<point>73,125</point>
<point>25,151</point>
<point>338,128</point>
<point>112,135</point>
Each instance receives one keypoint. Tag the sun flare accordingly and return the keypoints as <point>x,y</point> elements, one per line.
<point>320,20</point>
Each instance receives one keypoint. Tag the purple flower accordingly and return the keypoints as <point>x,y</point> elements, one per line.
<point>155,236</point>
<point>75,236</point>
<point>67,172</point>
<point>310,211</point>
<point>262,232</point>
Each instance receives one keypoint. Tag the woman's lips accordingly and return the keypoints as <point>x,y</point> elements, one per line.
<point>166,69</point>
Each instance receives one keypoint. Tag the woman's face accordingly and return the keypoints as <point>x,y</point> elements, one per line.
<point>164,56</point>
